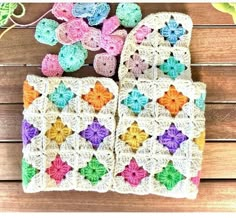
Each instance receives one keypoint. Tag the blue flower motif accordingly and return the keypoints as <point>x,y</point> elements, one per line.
<point>172,31</point>
<point>84,9</point>
<point>61,96</point>
<point>172,67</point>
<point>200,102</point>
<point>100,14</point>
<point>135,101</point>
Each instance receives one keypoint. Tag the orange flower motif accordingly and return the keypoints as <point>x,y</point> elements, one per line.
<point>200,140</point>
<point>29,94</point>
<point>173,100</point>
<point>98,96</point>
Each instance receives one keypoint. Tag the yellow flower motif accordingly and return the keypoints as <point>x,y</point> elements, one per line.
<point>200,140</point>
<point>134,137</point>
<point>58,132</point>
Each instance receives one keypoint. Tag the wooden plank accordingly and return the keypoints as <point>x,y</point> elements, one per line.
<point>208,46</point>
<point>213,167</point>
<point>214,196</point>
<point>35,10</point>
<point>220,81</point>
<point>220,121</point>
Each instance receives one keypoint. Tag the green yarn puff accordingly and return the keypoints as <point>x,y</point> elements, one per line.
<point>28,172</point>
<point>129,14</point>
<point>45,32</point>
<point>72,57</point>
<point>6,11</point>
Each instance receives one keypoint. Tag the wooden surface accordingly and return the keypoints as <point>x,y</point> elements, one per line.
<point>213,49</point>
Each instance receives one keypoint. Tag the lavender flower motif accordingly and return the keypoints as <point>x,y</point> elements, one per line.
<point>172,138</point>
<point>95,133</point>
<point>28,132</point>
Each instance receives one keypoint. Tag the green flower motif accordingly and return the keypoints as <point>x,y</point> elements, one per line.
<point>169,176</point>
<point>172,67</point>
<point>28,172</point>
<point>61,96</point>
<point>200,102</point>
<point>229,8</point>
<point>6,11</point>
<point>94,171</point>
<point>135,101</point>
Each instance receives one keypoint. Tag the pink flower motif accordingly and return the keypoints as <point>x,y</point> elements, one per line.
<point>63,11</point>
<point>58,169</point>
<point>142,33</point>
<point>51,66</point>
<point>196,180</point>
<point>92,39</point>
<point>110,25</point>
<point>113,45</point>
<point>136,65</point>
<point>76,29</point>
<point>133,174</point>
<point>122,33</point>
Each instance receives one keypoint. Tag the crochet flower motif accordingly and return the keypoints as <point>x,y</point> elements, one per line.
<point>98,96</point>
<point>169,176</point>
<point>84,9</point>
<point>200,102</point>
<point>172,138</point>
<point>133,174</point>
<point>94,171</point>
<point>172,31</point>
<point>28,132</point>
<point>58,132</point>
<point>142,33</point>
<point>172,67</point>
<point>28,172</point>
<point>61,96</point>
<point>30,94</point>
<point>173,100</point>
<point>196,180</point>
<point>95,133</point>
<point>136,65</point>
<point>134,136</point>
<point>135,101</point>
<point>58,169</point>
<point>200,140</point>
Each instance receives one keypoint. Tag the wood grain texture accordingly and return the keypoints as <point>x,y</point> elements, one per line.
<point>207,46</point>
<point>214,196</point>
<point>220,81</point>
<point>198,12</point>
<point>220,121</point>
<point>213,167</point>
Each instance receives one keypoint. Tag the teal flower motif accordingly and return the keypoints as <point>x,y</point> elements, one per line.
<point>172,31</point>
<point>135,101</point>
<point>200,102</point>
<point>172,67</point>
<point>61,96</point>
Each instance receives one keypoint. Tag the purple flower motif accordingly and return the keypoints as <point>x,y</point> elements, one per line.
<point>172,138</point>
<point>28,132</point>
<point>95,133</point>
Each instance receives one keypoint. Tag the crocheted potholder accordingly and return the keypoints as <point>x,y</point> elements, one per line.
<point>68,133</point>
<point>161,129</point>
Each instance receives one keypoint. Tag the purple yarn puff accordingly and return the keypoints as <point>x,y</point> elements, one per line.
<point>28,132</point>
<point>95,133</point>
<point>172,138</point>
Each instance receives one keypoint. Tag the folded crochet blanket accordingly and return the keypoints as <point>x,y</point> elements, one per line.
<point>69,131</point>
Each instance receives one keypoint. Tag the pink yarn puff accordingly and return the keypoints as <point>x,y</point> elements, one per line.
<point>110,25</point>
<point>51,66</point>
<point>62,34</point>
<point>113,45</point>
<point>142,33</point>
<point>92,39</point>
<point>76,29</point>
<point>63,11</point>
<point>105,64</point>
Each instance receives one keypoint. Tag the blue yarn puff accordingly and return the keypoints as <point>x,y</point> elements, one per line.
<point>45,32</point>
<point>84,10</point>
<point>100,14</point>
<point>72,57</point>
